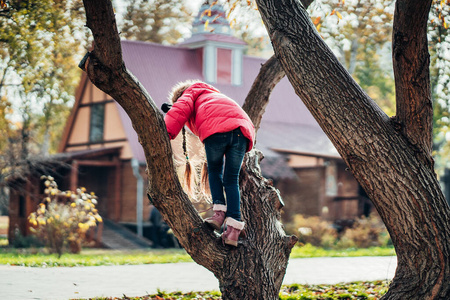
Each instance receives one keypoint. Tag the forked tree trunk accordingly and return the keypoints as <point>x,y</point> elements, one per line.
<point>391,159</point>
<point>253,270</point>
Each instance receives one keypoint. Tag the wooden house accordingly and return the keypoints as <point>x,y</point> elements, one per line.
<point>103,149</point>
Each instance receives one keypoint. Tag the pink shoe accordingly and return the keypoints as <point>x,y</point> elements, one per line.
<point>216,221</point>
<point>231,234</point>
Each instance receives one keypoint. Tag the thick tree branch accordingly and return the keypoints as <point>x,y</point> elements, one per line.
<point>105,68</point>
<point>101,21</point>
<point>411,69</point>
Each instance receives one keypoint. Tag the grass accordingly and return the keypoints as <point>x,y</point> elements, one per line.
<point>101,257</point>
<point>310,251</point>
<point>91,257</point>
<point>355,290</point>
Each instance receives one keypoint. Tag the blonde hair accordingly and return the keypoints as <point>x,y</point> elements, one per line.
<point>175,93</point>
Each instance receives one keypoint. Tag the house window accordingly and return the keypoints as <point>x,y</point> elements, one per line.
<point>97,123</point>
<point>224,66</point>
<point>331,186</point>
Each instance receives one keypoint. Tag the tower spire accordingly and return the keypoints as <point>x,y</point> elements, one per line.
<point>211,18</point>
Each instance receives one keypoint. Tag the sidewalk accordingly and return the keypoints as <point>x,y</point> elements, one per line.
<point>62,283</point>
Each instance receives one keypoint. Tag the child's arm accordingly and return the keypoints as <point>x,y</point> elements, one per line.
<point>179,114</point>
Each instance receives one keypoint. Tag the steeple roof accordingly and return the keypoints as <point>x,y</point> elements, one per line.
<point>211,19</point>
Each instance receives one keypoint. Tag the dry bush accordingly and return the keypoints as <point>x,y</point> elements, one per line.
<point>313,230</point>
<point>366,232</point>
<point>63,218</point>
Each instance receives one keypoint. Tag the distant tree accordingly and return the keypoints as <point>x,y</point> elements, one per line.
<point>40,43</point>
<point>359,32</point>
<point>158,21</point>
<point>439,37</point>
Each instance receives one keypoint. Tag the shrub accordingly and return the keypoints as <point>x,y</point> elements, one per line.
<point>314,231</point>
<point>63,218</point>
<point>366,232</point>
<point>21,241</point>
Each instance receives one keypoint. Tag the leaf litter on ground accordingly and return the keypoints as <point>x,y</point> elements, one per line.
<point>370,290</point>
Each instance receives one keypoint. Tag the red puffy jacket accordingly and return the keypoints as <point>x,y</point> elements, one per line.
<point>206,111</point>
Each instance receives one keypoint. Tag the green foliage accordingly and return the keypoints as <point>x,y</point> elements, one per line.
<point>21,241</point>
<point>63,218</point>
<point>158,21</point>
<point>360,34</point>
<point>40,45</point>
<point>439,41</point>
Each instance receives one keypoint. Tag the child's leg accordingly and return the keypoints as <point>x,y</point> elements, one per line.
<point>233,161</point>
<point>215,147</point>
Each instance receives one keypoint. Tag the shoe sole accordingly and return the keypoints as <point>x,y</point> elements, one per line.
<point>213,225</point>
<point>231,242</point>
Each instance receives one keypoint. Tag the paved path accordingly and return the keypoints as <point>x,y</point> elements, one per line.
<point>63,283</point>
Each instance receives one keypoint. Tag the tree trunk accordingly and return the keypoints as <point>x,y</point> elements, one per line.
<point>393,170</point>
<point>256,269</point>
<point>253,270</point>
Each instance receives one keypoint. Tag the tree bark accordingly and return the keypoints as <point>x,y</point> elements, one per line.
<point>393,171</point>
<point>411,62</point>
<point>253,270</point>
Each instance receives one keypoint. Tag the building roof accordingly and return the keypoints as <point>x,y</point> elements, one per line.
<point>287,123</point>
<point>211,17</point>
<point>213,37</point>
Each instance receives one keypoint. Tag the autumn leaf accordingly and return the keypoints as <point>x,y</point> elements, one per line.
<point>317,20</point>
<point>339,15</point>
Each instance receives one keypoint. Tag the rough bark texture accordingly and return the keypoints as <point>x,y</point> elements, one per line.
<point>253,270</point>
<point>395,173</point>
<point>411,62</point>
